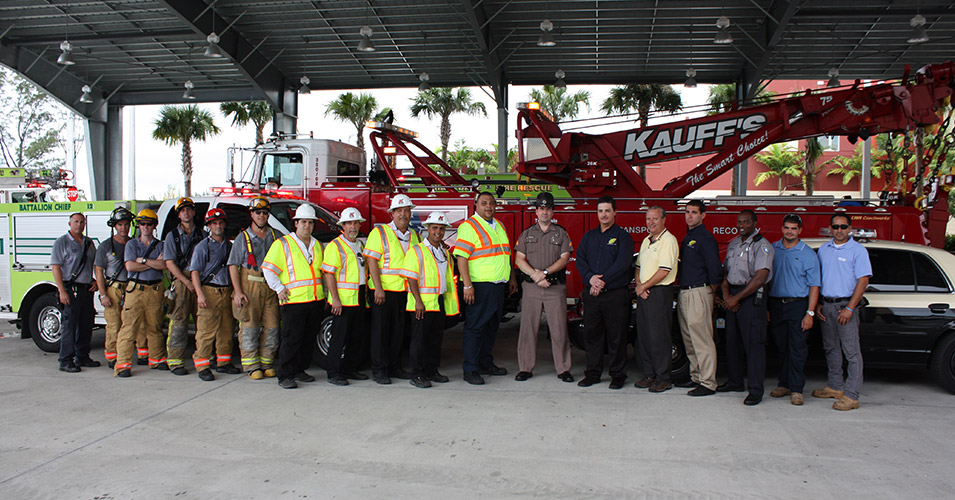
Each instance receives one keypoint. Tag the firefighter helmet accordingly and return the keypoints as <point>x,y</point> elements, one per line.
<point>305,211</point>
<point>119,214</point>
<point>215,214</point>
<point>259,203</point>
<point>400,201</point>
<point>437,218</point>
<point>184,202</point>
<point>146,215</point>
<point>350,214</point>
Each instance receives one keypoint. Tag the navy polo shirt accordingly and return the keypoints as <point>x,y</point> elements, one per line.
<point>700,258</point>
<point>608,253</point>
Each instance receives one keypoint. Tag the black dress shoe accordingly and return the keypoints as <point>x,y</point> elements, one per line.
<point>701,391</point>
<point>356,376</point>
<point>206,375</point>
<point>229,369</point>
<point>493,370</point>
<point>88,363</point>
<point>287,383</point>
<point>752,400</point>
<point>729,388</point>
<point>566,377</point>
<point>522,376</point>
<point>588,381</point>
<point>304,377</point>
<point>400,374</point>
<point>437,377</point>
<point>688,383</point>
<point>617,382</point>
<point>124,373</point>
<point>473,378</point>
<point>180,370</point>
<point>70,368</point>
<point>421,382</point>
<point>381,378</point>
<point>338,380</point>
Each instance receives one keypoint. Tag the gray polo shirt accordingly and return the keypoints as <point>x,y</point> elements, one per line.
<point>185,247</point>
<point>111,256</point>
<point>206,258</point>
<point>135,250</point>
<point>67,253</point>
<point>240,251</point>
<point>744,258</point>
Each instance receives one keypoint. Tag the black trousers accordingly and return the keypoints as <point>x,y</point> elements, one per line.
<point>606,327</point>
<point>426,337</point>
<point>300,324</point>
<point>790,339</point>
<point>387,331</point>
<point>348,338</point>
<point>481,321</point>
<point>746,344</point>
<point>77,325</point>
<point>654,323</point>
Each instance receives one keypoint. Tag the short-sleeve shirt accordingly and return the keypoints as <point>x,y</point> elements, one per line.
<point>181,254</point>
<point>111,256</point>
<point>842,267</point>
<point>543,248</point>
<point>794,270</point>
<point>744,258</point>
<point>135,250</point>
<point>206,259</point>
<point>67,253</point>
<point>240,250</point>
<point>661,253</point>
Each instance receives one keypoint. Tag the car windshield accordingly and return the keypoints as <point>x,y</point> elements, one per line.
<point>325,227</point>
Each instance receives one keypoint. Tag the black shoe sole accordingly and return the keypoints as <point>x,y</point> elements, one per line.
<point>588,382</point>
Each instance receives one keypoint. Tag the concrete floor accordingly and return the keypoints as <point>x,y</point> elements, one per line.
<point>91,436</point>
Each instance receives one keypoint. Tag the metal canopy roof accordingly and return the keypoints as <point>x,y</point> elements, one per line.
<point>142,51</point>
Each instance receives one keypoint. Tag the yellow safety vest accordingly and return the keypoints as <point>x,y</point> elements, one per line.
<point>342,263</point>
<point>286,260</point>
<point>422,266</point>
<point>384,246</point>
<point>488,251</point>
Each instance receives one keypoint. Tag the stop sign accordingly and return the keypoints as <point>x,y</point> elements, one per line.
<point>72,193</point>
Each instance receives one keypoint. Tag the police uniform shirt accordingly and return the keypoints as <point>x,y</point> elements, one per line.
<point>111,256</point>
<point>699,259</point>
<point>744,258</point>
<point>441,257</point>
<point>240,252</point>
<point>206,258</point>
<point>661,253</point>
<point>173,252</point>
<point>135,250</point>
<point>67,253</point>
<point>543,248</point>
<point>795,270</point>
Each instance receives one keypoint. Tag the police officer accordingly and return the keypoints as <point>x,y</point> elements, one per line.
<point>385,249</point>
<point>293,269</point>
<point>142,304</point>
<point>110,271</point>
<point>432,297</point>
<point>542,253</point>
<point>345,279</point>
<point>603,261</point>
<point>72,263</point>
<point>793,296</point>
<point>749,266</point>
<point>210,278</point>
<point>254,304</point>
<point>179,245</point>
<point>483,253</point>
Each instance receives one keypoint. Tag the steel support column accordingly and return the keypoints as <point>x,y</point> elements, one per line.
<point>285,118</point>
<point>500,96</point>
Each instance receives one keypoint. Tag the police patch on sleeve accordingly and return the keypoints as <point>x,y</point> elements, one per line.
<point>766,249</point>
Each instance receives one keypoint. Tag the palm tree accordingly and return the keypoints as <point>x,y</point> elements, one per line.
<point>355,109</point>
<point>723,96</point>
<point>558,103</point>
<point>443,102</point>
<point>780,160</point>
<point>811,155</point>
<point>258,112</point>
<point>642,98</point>
<point>182,125</point>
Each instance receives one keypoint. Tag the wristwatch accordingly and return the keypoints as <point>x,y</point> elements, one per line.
<point>144,260</point>
<point>545,272</point>
<point>811,313</point>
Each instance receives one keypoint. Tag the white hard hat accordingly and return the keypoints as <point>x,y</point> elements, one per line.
<point>437,218</point>
<point>350,214</point>
<point>400,201</point>
<point>305,211</point>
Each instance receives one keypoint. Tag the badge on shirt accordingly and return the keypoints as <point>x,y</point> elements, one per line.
<point>612,241</point>
<point>766,250</point>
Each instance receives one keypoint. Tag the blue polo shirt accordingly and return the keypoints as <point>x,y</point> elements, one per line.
<point>842,267</point>
<point>794,270</point>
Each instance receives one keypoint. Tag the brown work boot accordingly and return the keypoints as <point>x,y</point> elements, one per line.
<point>796,399</point>
<point>780,391</point>
<point>644,383</point>
<point>845,403</point>
<point>826,393</point>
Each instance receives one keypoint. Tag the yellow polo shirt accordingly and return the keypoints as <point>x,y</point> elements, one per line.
<point>659,254</point>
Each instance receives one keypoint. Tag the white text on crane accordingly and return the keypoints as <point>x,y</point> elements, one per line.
<point>684,139</point>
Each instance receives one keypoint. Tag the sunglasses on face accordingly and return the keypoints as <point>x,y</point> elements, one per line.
<point>840,226</point>
<point>147,224</point>
<point>260,212</point>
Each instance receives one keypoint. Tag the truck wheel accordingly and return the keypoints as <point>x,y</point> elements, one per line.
<point>943,363</point>
<point>679,363</point>
<point>575,332</point>
<point>45,322</point>
<point>322,340</point>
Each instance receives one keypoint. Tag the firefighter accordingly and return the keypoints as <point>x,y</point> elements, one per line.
<point>110,271</point>
<point>179,245</point>
<point>142,304</point>
<point>254,305</point>
<point>385,249</point>
<point>294,271</point>
<point>433,296</point>
<point>344,269</point>
<point>210,278</point>
<point>72,264</point>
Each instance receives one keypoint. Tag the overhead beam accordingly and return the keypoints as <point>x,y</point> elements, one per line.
<point>775,25</point>
<point>54,79</point>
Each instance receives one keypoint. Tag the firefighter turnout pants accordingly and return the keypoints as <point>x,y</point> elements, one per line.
<point>114,320</point>
<point>214,328</point>
<point>258,322</point>
<point>142,311</point>
<point>183,306</point>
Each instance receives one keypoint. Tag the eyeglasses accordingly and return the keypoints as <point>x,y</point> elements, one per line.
<point>262,211</point>
<point>147,224</point>
<point>840,226</point>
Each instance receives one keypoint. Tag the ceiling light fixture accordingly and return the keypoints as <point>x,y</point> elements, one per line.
<point>560,83</point>
<point>66,57</point>
<point>918,29</point>
<point>723,35</point>
<point>546,39</point>
<point>833,78</point>
<point>304,89</point>
<point>212,50</point>
<point>188,94</point>
<point>690,82</point>
<point>86,97</point>
<point>424,77</point>
<point>366,45</point>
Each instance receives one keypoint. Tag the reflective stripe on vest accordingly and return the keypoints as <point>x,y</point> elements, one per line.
<point>490,260</point>
<point>391,260</point>
<point>302,280</point>
<point>346,276</point>
<point>429,285</point>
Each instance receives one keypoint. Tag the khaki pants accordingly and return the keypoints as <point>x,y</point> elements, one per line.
<point>142,311</point>
<point>114,319</point>
<point>184,306</point>
<point>258,322</point>
<point>214,326</point>
<point>553,300</point>
<point>695,314</point>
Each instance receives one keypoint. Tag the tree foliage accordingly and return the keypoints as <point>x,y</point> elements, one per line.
<point>442,102</point>
<point>354,109</point>
<point>259,113</point>
<point>780,160</point>
<point>559,103</point>
<point>642,99</point>
<point>182,125</point>
<point>29,126</point>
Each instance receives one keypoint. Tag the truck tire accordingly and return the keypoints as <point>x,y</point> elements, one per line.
<point>45,322</point>
<point>943,362</point>
<point>321,342</point>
